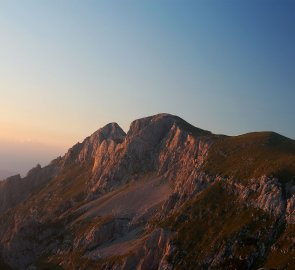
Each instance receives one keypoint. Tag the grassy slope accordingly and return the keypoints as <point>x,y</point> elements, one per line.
<point>67,187</point>
<point>213,221</point>
<point>283,256</point>
<point>183,125</point>
<point>253,155</point>
<point>51,201</point>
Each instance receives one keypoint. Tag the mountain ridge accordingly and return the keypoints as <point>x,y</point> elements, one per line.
<point>137,200</point>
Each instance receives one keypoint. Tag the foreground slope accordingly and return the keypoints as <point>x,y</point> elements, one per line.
<point>166,195</point>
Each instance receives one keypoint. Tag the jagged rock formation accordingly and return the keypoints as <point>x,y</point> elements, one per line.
<point>166,195</point>
<point>14,189</point>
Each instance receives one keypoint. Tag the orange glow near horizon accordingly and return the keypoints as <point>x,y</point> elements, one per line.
<point>21,133</point>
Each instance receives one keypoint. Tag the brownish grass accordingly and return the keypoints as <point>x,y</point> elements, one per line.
<point>253,155</point>
<point>204,224</point>
<point>283,256</point>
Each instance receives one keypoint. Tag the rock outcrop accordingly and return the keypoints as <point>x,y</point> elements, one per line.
<point>15,189</point>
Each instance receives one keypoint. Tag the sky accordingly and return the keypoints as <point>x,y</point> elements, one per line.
<point>69,67</point>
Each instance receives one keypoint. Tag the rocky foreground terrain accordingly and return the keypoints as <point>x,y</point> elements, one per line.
<point>166,195</point>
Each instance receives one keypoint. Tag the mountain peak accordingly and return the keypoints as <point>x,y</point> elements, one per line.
<point>110,131</point>
<point>165,120</point>
<point>86,150</point>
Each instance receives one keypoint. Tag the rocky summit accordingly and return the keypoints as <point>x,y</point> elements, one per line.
<point>166,195</point>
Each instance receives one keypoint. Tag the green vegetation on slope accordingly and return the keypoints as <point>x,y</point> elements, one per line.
<point>253,155</point>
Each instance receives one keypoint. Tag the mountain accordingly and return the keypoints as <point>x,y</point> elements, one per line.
<point>5,173</point>
<point>166,195</point>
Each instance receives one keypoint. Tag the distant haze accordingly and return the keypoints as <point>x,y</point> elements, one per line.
<point>18,158</point>
<point>5,173</point>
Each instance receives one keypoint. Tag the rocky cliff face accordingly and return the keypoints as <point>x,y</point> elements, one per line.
<point>154,198</point>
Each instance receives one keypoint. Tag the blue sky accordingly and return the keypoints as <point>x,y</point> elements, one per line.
<point>69,67</point>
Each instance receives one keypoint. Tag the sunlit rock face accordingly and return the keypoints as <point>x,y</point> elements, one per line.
<point>154,198</point>
<point>290,211</point>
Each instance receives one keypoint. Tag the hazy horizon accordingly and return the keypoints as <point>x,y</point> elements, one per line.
<point>70,67</point>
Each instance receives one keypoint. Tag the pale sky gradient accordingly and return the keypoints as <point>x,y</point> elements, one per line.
<point>68,67</point>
